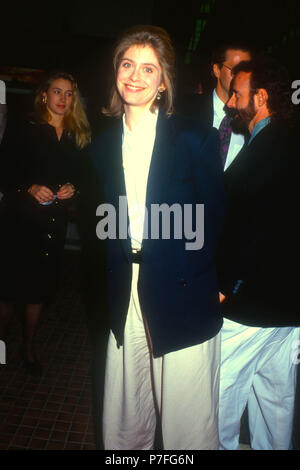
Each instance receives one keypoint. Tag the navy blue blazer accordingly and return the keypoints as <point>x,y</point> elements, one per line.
<point>178,288</point>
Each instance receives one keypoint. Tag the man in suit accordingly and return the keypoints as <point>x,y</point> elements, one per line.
<point>258,250</point>
<point>210,108</point>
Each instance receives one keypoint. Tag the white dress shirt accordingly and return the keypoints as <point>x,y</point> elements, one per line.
<point>236,140</point>
<point>137,148</point>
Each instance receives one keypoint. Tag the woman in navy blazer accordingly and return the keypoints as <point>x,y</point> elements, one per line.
<point>164,313</point>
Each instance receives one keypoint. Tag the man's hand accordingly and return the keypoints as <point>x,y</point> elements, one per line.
<point>221,297</point>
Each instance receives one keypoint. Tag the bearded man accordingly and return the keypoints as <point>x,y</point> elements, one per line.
<point>257,260</point>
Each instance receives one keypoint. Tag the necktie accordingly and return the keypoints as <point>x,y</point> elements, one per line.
<point>225,135</point>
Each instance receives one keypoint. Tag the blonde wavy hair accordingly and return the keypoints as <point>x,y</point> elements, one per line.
<point>75,121</point>
<point>160,41</point>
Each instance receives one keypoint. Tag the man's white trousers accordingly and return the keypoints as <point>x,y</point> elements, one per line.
<point>258,367</point>
<point>181,387</point>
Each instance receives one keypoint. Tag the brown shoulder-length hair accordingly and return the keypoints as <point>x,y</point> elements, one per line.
<point>75,121</point>
<point>160,41</point>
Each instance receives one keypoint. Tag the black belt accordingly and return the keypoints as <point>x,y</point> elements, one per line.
<point>136,256</point>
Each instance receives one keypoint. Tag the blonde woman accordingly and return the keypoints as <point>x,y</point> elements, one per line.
<point>164,314</point>
<point>41,165</point>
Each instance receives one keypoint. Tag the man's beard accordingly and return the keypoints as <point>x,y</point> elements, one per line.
<point>243,117</point>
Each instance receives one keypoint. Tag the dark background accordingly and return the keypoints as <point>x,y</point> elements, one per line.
<point>78,35</point>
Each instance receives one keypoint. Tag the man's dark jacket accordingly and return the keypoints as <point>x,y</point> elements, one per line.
<point>258,261</point>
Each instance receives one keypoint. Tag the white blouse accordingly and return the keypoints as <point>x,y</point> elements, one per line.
<point>137,148</point>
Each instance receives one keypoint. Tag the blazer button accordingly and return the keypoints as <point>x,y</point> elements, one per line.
<point>183,282</point>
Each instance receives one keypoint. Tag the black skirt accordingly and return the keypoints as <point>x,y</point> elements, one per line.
<point>31,244</point>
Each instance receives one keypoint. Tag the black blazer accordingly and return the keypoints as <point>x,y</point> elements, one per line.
<point>177,287</point>
<point>259,253</point>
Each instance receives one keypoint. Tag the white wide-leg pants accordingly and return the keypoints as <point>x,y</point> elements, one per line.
<point>258,367</point>
<point>182,387</point>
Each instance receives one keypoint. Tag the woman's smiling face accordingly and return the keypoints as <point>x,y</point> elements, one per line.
<point>139,76</point>
<point>59,97</point>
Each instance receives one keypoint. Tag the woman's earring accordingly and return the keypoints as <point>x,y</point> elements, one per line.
<point>158,96</point>
<point>44,100</point>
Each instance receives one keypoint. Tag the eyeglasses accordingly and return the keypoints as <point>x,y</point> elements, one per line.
<point>229,68</point>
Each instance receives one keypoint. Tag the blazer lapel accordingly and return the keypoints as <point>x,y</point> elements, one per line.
<point>161,161</point>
